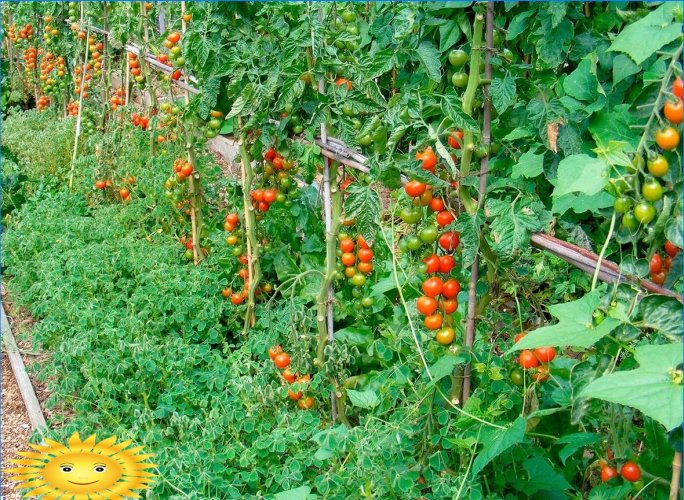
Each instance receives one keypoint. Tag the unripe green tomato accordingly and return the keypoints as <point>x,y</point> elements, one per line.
<point>210,134</point>
<point>622,204</point>
<point>179,62</point>
<point>411,215</point>
<point>285,182</point>
<point>352,45</point>
<point>644,213</point>
<point>356,123</point>
<point>176,50</point>
<point>352,29</point>
<point>357,292</point>
<point>358,279</point>
<point>280,197</point>
<point>629,221</point>
<point>215,123</point>
<point>288,204</point>
<point>459,79</point>
<point>365,140</point>
<point>236,251</point>
<point>348,16</point>
<point>367,301</point>
<point>517,377</point>
<point>458,57</point>
<point>348,110</point>
<point>652,190</point>
<point>297,129</point>
<point>429,234</point>
<point>413,242</point>
<point>287,109</point>
<point>403,245</point>
<point>189,255</point>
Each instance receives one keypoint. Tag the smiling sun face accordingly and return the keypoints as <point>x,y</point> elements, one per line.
<point>83,469</point>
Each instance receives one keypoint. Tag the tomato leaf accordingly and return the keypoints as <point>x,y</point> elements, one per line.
<point>574,328</point>
<point>641,39</point>
<point>513,221</point>
<point>581,174</point>
<point>582,83</point>
<point>301,493</point>
<point>445,366</point>
<point>363,203</point>
<point>497,442</point>
<point>363,399</point>
<point>452,107</point>
<point>429,57</point>
<point>574,442</point>
<point>469,228</point>
<point>663,314</point>
<point>502,91</point>
<point>529,165</point>
<point>649,388</point>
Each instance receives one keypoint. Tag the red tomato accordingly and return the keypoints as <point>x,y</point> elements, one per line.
<point>656,264</point>
<point>233,219</point>
<point>237,298</point>
<point>527,359</point>
<point>263,206</point>
<point>432,263</point>
<point>426,305</point>
<point>361,241</point>
<point>451,288</point>
<point>658,278</point>
<point>677,88</point>
<point>174,37</point>
<point>347,245</point>
<point>282,360</point>
<point>288,375</point>
<point>270,154</point>
<point>449,240</point>
<point>428,158</point>
<point>671,249</point>
<point>545,354</point>
<point>270,195</point>
<point>294,395</point>
<point>433,286</point>
<point>456,139</point>
<point>258,195</point>
<point>519,336</point>
<point>415,188</point>
<point>608,473</point>
<point>433,322</point>
<point>436,204</point>
<point>449,306</point>
<point>274,351</point>
<point>631,471</point>
<point>365,254</point>
<point>278,163</point>
<point>445,218</point>
<point>674,111</point>
<point>446,264</point>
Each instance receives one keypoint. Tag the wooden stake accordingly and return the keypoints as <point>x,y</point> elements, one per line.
<point>676,474</point>
<point>80,108</point>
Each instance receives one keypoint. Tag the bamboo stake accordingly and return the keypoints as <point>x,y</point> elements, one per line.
<point>676,473</point>
<point>80,109</point>
<point>484,168</point>
<point>106,77</point>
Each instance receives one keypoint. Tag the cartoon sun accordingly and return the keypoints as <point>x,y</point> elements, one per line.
<point>83,470</point>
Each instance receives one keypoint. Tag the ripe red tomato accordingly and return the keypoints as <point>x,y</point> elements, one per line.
<point>270,154</point>
<point>433,286</point>
<point>674,111</point>
<point>656,264</point>
<point>451,288</point>
<point>176,74</point>
<point>174,37</point>
<point>348,259</point>
<point>545,354</point>
<point>671,249</point>
<point>186,169</point>
<point>444,218</point>
<point>237,298</point>
<point>364,267</point>
<point>426,305</point>
<point>541,374</point>
<point>608,473</point>
<point>677,88</point>
<point>306,404</point>
<point>428,158</point>
<point>288,375</point>
<point>233,219</point>
<point>278,163</point>
<point>347,245</point>
<point>658,278</point>
<point>433,322</point>
<point>445,336</point>
<point>446,264</point>
<point>449,306</point>
<point>262,206</point>
<point>667,138</point>
<point>274,351</point>
<point>258,195</point>
<point>282,360</point>
<point>518,337</point>
<point>449,240</point>
<point>631,471</point>
<point>360,240</point>
<point>432,263</point>
<point>124,193</point>
<point>456,139</point>
<point>294,395</point>
<point>100,185</point>
<point>436,204</point>
<point>527,359</point>
<point>415,188</point>
<point>365,254</point>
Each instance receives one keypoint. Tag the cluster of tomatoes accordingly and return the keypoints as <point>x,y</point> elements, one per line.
<point>234,239</point>
<point>168,118</point>
<point>659,267</point>
<point>43,103</point>
<point>118,98</point>
<point>630,471</point>
<point>30,54</point>
<point>73,11</point>
<point>25,33</point>
<point>82,77</point>
<point>214,124</point>
<point>52,67</point>
<point>124,191</point>
<point>276,183</point>
<point>536,361</point>
<point>642,211</point>
<point>72,108</point>
<point>345,24</point>
<point>458,58</point>
<point>134,68</point>
<point>95,48</point>
<point>281,360</point>
<point>175,54</point>
<point>356,264</point>
<point>50,32</point>
<point>140,121</point>
<point>188,244</point>
<point>174,186</point>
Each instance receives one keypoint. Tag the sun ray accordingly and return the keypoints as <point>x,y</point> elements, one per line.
<point>84,469</point>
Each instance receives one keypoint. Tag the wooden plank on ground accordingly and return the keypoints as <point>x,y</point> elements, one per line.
<point>23,381</point>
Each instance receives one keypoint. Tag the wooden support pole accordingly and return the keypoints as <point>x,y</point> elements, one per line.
<point>80,108</point>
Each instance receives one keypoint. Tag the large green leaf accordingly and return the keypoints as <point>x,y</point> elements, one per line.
<point>469,228</point>
<point>363,399</point>
<point>641,39</point>
<point>574,442</point>
<point>301,493</point>
<point>363,203</point>
<point>615,125</point>
<point>581,174</point>
<point>574,328</point>
<point>429,56</point>
<point>498,442</point>
<point>445,366</point>
<point>529,165</point>
<point>502,91</point>
<point>580,203</point>
<point>649,388</point>
<point>663,314</point>
<point>582,83</point>
<point>513,221</point>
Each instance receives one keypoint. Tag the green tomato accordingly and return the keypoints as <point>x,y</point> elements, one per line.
<point>215,123</point>
<point>517,376</point>
<point>358,279</point>
<point>413,242</point>
<point>180,62</point>
<point>285,182</point>
<point>297,129</point>
<point>287,108</point>
<point>622,204</point>
<point>357,292</point>
<point>403,245</point>
<point>236,251</point>
<point>652,190</point>
<point>280,197</point>
<point>189,255</point>
<point>411,215</point>
<point>629,221</point>
<point>366,140</point>
<point>176,50</point>
<point>459,79</point>
<point>429,234</point>
<point>367,301</point>
<point>458,57</point>
<point>348,110</point>
<point>644,213</point>
<point>348,16</point>
<point>356,123</point>
<point>352,29</point>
